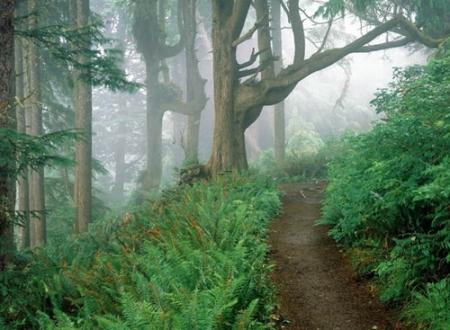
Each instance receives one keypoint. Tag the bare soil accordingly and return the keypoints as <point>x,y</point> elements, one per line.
<point>316,285</point>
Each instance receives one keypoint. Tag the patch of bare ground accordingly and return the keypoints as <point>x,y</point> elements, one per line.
<point>317,287</point>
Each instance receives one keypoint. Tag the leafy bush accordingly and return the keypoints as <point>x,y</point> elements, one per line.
<point>193,260</point>
<point>389,191</point>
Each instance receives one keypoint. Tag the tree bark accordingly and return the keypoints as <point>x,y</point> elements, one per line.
<point>36,180</point>
<point>83,122</point>
<point>154,127</point>
<point>223,156</point>
<point>7,120</point>
<point>279,120</point>
<point>195,91</point>
<point>23,205</point>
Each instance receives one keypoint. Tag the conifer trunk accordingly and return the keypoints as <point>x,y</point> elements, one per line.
<point>7,120</point>
<point>36,180</point>
<point>83,122</point>
<point>23,201</point>
<point>154,127</point>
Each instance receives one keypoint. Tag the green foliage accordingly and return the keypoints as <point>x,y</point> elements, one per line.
<point>432,16</point>
<point>300,163</point>
<point>66,43</point>
<point>389,190</point>
<point>431,308</point>
<point>33,151</point>
<point>195,259</point>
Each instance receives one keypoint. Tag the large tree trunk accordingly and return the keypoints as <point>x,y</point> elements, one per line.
<point>224,156</point>
<point>83,122</point>
<point>37,201</point>
<point>279,120</point>
<point>23,205</point>
<point>7,120</point>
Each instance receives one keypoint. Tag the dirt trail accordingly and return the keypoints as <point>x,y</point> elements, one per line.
<point>317,288</point>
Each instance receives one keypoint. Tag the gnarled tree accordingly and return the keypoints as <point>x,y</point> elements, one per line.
<point>241,91</point>
<point>149,32</point>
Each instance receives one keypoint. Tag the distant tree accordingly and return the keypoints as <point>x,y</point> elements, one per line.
<point>38,235</point>
<point>279,124</point>
<point>241,91</point>
<point>195,84</point>
<point>149,30</point>
<point>83,121</point>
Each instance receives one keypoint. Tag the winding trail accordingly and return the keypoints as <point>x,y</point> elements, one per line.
<point>317,287</point>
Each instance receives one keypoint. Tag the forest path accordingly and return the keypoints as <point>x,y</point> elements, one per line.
<point>317,287</point>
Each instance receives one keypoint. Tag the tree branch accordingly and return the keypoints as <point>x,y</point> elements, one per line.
<point>272,91</point>
<point>325,38</point>
<point>298,31</point>
<point>249,33</point>
<point>238,17</point>
<point>253,57</point>
<point>386,45</point>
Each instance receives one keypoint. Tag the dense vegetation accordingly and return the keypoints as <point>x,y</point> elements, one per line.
<point>388,197</point>
<point>194,259</point>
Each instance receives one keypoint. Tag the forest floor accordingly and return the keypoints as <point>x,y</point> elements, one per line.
<point>317,288</point>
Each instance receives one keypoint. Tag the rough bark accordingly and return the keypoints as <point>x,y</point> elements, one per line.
<point>223,156</point>
<point>83,122</point>
<point>7,120</point>
<point>279,120</point>
<point>36,180</point>
<point>23,206</point>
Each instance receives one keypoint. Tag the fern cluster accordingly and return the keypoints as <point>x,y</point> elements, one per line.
<point>195,259</point>
<point>389,193</point>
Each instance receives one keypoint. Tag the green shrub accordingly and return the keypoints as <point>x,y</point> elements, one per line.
<point>430,310</point>
<point>389,190</point>
<point>196,259</point>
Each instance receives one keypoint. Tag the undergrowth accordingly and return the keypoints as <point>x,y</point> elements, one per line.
<point>298,165</point>
<point>388,197</point>
<point>195,259</point>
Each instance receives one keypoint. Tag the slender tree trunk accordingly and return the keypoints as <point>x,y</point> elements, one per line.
<point>224,156</point>
<point>36,180</point>
<point>7,120</point>
<point>194,82</point>
<point>22,182</point>
<point>192,137</point>
<point>119,154</point>
<point>83,122</point>
<point>154,127</point>
<point>279,120</point>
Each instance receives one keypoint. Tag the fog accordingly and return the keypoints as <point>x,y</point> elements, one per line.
<point>324,105</point>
